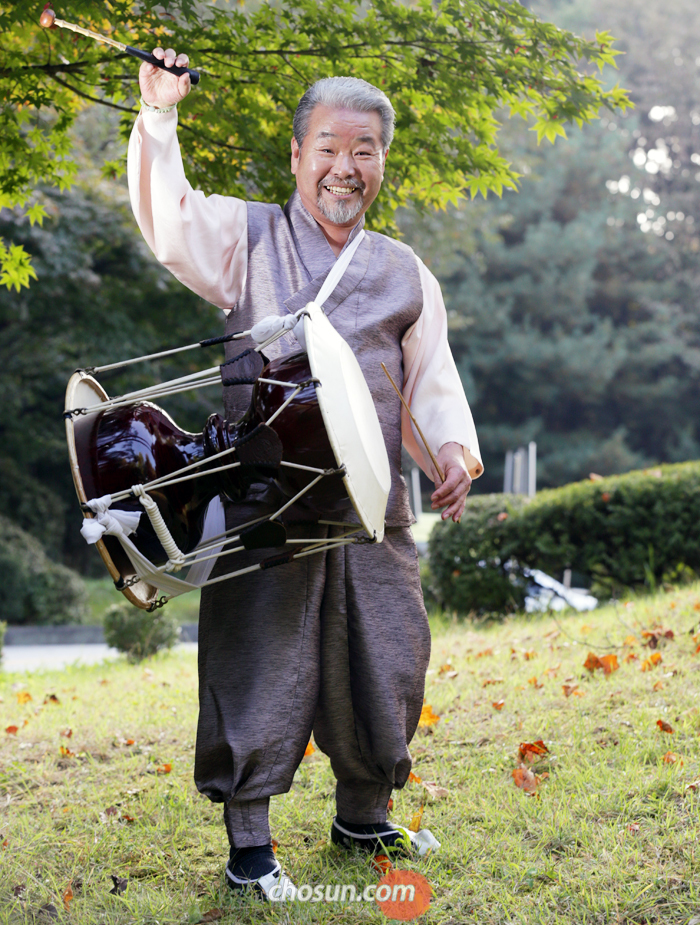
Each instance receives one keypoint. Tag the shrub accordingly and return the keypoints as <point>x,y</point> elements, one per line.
<point>625,532</point>
<point>467,560</point>
<point>3,627</point>
<point>33,589</point>
<point>138,633</point>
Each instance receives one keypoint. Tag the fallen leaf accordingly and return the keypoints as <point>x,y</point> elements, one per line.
<point>20,890</point>
<point>535,683</point>
<point>68,897</point>
<point>531,751</point>
<point>24,697</point>
<point>66,752</point>
<point>484,653</point>
<point>125,817</point>
<point>579,693</point>
<point>390,805</point>
<point>498,704</point>
<point>693,785</point>
<point>445,668</point>
<point>66,733</point>
<point>130,742</point>
<point>103,681</point>
<point>164,769</point>
<point>525,779</point>
<point>529,655</point>
<point>120,885</point>
<point>309,750</point>
<point>414,778</point>
<point>489,681</point>
<point>664,726</point>
<point>551,672</point>
<point>609,663</point>
<point>381,863</point>
<point>275,844</point>
<point>659,686</point>
<point>212,915</point>
<point>655,635</point>
<point>569,689</point>
<point>630,641</point>
<point>51,698</point>
<point>586,629</point>
<point>631,657</point>
<point>111,811</point>
<point>435,790</point>
<point>649,663</point>
<point>12,730</point>
<point>592,662</point>
<point>416,819</point>
<point>427,717</point>
<point>48,911</point>
<point>671,758</point>
<point>633,828</point>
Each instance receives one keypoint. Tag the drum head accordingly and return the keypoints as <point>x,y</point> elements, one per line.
<point>351,420</point>
<point>85,392</point>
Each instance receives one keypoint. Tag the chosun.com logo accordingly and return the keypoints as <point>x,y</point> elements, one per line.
<point>400,894</point>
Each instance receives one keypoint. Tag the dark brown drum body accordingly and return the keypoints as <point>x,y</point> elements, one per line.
<point>122,447</point>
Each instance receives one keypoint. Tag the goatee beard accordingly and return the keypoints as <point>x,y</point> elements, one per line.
<point>340,212</point>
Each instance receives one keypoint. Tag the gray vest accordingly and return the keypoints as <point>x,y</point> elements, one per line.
<point>378,298</point>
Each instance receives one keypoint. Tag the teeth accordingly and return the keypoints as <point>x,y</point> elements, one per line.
<point>340,190</point>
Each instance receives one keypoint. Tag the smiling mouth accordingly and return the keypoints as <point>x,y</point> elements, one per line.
<point>344,190</point>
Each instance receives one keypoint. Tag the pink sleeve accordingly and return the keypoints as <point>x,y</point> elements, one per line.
<point>202,240</point>
<point>432,386</point>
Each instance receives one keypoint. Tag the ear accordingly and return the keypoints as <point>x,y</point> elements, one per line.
<point>384,160</point>
<point>296,154</point>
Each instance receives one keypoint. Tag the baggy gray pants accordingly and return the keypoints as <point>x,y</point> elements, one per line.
<point>337,643</point>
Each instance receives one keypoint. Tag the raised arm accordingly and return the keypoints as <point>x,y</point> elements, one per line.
<point>201,240</point>
<point>435,395</point>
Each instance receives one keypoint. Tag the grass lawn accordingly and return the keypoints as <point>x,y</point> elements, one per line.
<point>611,834</point>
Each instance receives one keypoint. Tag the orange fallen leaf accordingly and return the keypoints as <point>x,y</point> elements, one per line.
<point>309,750</point>
<point>489,681</point>
<point>659,686</point>
<point>103,681</point>
<point>664,726</point>
<point>12,730</point>
<point>434,789</point>
<point>416,819</point>
<point>631,657</point>
<point>525,779</point>
<point>531,751</point>
<point>609,663</point>
<point>697,650</point>
<point>51,698</point>
<point>569,689</point>
<point>111,811</point>
<point>585,629</point>
<point>66,733</point>
<point>390,805</point>
<point>381,863</point>
<point>484,653</point>
<point>414,778</point>
<point>535,683</point>
<point>127,818</point>
<point>633,828</point>
<point>23,697</point>
<point>498,704</point>
<point>275,844</point>
<point>66,752</point>
<point>655,635</point>
<point>529,655</point>
<point>579,693</point>
<point>551,672</point>
<point>671,758</point>
<point>427,717</point>
<point>693,785</point>
<point>592,662</point>
<point>164,769</point>
<point>445,668</point>
<point>649,663</point>
<point>630,641</point>
<point>68,896</point>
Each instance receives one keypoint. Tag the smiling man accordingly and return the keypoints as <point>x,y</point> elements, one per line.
<point>337,644</point>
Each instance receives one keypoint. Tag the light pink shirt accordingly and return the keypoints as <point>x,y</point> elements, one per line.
<point>203,241</point>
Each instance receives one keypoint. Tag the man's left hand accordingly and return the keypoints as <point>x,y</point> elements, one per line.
<point>452,493</point>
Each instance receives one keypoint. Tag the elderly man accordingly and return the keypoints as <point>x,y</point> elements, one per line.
<point>337,644</point>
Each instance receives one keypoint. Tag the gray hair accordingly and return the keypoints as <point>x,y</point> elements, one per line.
<point>344,93</point>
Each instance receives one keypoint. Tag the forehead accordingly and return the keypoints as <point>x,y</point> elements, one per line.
<point>345,125</point>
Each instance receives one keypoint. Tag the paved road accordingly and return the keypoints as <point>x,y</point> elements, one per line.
<point>33,658</point>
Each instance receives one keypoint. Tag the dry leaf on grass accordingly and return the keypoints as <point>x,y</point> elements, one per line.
<point>535,683</point>
<point>498,704</point>
<point>414,778</point>
<point>427,717</point>
<point>435,790</point>
<point>12,730</point>
<point>65,752</point>
<point>664,726</point>
<point>68,897</point>
<point>24,697</point>
<point>659,686</point>
<point>445,668</point>
<point>630,641</point>
<point>484,653</point>
<point>309,750</point>
<point>532,751</point>
<point>414,825</point>
<point>164,769</point>
<point>529,655</point>
<point>51,698</point>
<point>381,863</point>
<point>569,689</point>
<point>656,635</point>
<point>608,663</point>
<point>631,657</point>
<point>213,915</point>
<point>693,786</point>
<point>120,885</point>
<point>489,681</point>
<point>649,663</point>
<point>525,779</point>
<point>66,733</point>
<point>672,758</point>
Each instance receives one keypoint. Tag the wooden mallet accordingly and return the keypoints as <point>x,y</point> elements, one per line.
<point>49,21</point>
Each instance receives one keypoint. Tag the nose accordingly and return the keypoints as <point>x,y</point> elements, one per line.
<point>345,164</point>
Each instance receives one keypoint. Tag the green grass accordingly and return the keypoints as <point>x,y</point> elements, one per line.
<point>611,837</point>
<point>102,594</point>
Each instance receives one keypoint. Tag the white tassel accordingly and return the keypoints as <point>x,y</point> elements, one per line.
<point>113,523</point>
<point>270,326</point>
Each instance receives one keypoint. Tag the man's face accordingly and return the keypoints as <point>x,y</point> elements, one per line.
<point>340,167</point>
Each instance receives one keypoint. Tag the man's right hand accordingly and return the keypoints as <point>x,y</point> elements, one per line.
<point>158,87</point>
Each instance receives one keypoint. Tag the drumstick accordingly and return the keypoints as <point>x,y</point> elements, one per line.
<point>417,426</point>
<point>48,20</point>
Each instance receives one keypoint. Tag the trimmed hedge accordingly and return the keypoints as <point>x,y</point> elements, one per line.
<point>624,532</point>
<point>140,633</point>
<point>33,588</point>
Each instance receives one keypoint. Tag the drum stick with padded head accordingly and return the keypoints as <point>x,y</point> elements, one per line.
<point>416,425</point>
<point>49,21</point>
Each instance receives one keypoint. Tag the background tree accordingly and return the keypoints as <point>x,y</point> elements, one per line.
<point>449,67</point>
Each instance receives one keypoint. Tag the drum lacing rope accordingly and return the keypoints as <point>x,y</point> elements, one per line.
<point>176,558</point>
